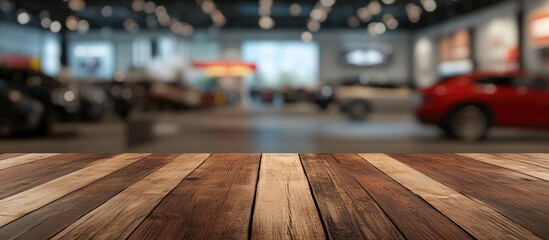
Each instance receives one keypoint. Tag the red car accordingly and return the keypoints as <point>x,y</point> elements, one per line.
<point>467,106</point>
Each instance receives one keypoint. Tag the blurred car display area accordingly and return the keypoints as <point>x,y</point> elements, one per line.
<point>274,76</point>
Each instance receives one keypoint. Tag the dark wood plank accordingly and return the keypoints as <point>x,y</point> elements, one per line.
<point>414,217</point>
<point>214,202</point>
<point>25,176</point>
<point>284,207</point>
<point>347,209</point>
<point>54,217</point>
<point>520,197</point>
<point>9,155</point>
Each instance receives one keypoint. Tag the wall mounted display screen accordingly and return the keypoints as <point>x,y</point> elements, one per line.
<point>455,54</point>
<point>372,56</point>
<point>283,63</point>
<point>539,32</point>
<point>497,45</point>
<point>92,60</point>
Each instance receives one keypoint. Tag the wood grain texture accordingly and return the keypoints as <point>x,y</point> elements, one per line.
<point>539,159</point>
<point>118,217</point>
<point>522,198</point>
<point>214,202</point>
<point>415,218</point>
<point>26,158</point>
<point>56,216</point>
<point>474,216</point>
<point>346,208</point>
<point>284,207</point>
<point>15,206</point>
<point>25,176</point>
<point>9,155</point>
<point>519,166</point>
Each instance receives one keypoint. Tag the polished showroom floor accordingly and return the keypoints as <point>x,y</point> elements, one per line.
<point>299,128</point>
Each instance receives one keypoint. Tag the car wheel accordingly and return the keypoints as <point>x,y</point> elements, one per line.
<point>469,123</point>
<point>357,110</point>
<point>6,128</point>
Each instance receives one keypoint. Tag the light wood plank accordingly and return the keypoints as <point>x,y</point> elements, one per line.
<point>347,209</point>
<point>118,217</point>
<point>22,203</point>
<point>49,220</point>
<point>9,155</point>
<point>284,206</point>
<point>519,166</point>
<point>14,161</point>
<point>539,159</point>
<point>214,202</point>
<point>477,218</point>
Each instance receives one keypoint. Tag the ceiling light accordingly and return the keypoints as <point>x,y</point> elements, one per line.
<point>429,5</point>
<point>353,21</point>
<point>83,26</point>
<point>71,23</point>
<point>45,23</point>
<point>306,36</point>
<point>6,6</point>
<point>327,3</point>
<point>313,26</point>
<point>150,7</point>
<point>106,11</point>
<point>392,24</point>
<point>318,14</point>
<point>364,14</point>
<point>55,26</point>
<point>77,5</point>
<point>138,5</point>
<point>295,9</point>
<point>23,17</point>
<point>388,2</point>
<point>130,25</point>
<point>374,7</point>
<point>266,22</point>
<point>208,6</point>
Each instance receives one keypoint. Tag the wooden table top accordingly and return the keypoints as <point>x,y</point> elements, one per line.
<point>274,196</point>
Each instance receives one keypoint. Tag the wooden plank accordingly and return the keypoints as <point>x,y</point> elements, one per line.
<point>14,161</point>
<point>56,216</point>
<point>9,155</point>
<point>284,207</point>
<point>118,217</point>
<point>18,205</point>
<point>519,197</point>
<point>519,166</point>
<point>414,217</point>
<point>474,216</point>
<point>346,208</point>
<point>214,202</point>
<point>537,159</point>
<point>25,176</point>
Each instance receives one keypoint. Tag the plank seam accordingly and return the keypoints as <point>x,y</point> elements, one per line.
<point>314,200</point>
<point>165,196</point>
<point>251,220</point>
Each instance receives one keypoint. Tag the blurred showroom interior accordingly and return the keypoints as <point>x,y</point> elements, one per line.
<point>274,76</point>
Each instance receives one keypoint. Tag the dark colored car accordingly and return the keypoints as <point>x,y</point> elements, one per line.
<point>61,102</point>
<point>125,97</point>
<point>20,113</point>
<point>466,107</point>
<point>93,101</point>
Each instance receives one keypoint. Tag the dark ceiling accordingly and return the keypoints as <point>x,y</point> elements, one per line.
<point>241,13</point>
